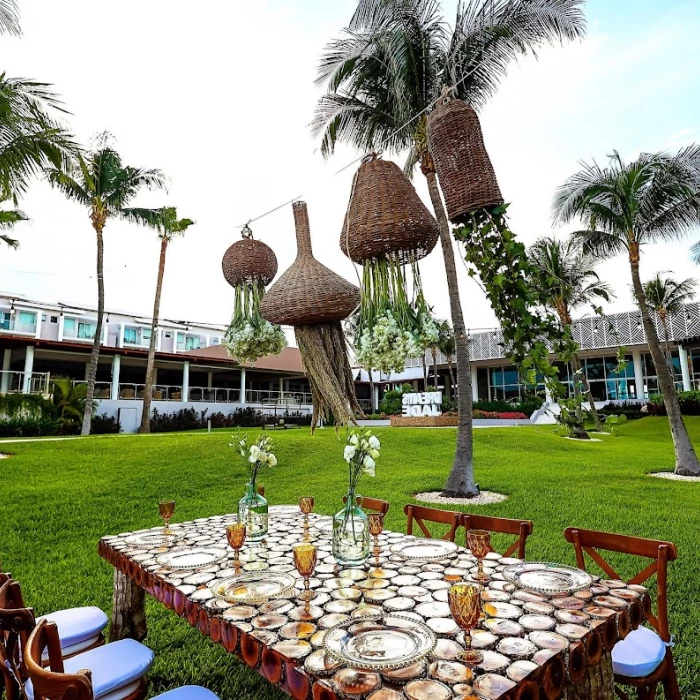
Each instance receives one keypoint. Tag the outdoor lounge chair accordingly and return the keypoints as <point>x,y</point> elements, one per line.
<point>371,504</point>
<point>116,671</point>
<point>643,659</point>
<point>507,526</point>
<point>421,514</point>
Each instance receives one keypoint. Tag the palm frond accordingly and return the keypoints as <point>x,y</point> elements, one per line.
<point>664,295</point>
<point>9,18</point>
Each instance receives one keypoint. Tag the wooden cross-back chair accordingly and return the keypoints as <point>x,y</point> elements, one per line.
<point>423,514</point>
<point>52,682</point>
<point>371,504</point>
<point>16,622</point>
<point>506,526</point>
<point>660,552</point>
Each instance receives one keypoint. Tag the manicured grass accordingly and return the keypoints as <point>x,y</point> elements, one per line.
<point>58,498</point>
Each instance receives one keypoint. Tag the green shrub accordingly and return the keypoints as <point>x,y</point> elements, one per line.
<point>104,425</point>
<point>527,406</point>
<point>26,406</point>
<point>633,411</point>
<point>689,402</point>
<point>28,427</point>
<point>391,403</point>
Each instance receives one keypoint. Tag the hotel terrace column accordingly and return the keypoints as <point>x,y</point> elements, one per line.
<point>638,374</point>
<point>116,367</point>
<point>685,370</point>
<point>28,368</point>
<point>186,380</point>
<point>243,396</point>
<point>475,384</point>
<point>5,377</point>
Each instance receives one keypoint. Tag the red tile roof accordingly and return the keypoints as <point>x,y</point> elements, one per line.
<point>289,360</point>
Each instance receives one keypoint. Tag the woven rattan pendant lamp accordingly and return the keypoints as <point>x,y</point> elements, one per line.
<point>314,300</point>
<point>462,163</point>
<point>249,266</point>
<point>386,217</point>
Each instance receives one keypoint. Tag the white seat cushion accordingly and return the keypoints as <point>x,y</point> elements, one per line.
<point>77,624</point>
<point>638,654</point>
<point>75,649</point>
<point>113,667</point>
<point>188,692</point>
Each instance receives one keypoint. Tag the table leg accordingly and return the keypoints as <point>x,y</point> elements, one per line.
<point>597,684</point>
<point>128,611</point>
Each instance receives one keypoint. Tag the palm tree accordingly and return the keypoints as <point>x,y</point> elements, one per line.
<point>31,138</point>
<point>625,206</point>
<point>102,183</point>
<point>443,329</point>
<point>8,219</point>
<point>69,399</point>
<point>446,345</point>
<point>167,224</point>
<point>386,72</point>
<point>9,17</point>
<point>566,278</point>
<point>666,297</point>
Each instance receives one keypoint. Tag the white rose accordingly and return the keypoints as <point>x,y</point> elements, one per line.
<point>368,465</point>
<point>374,443</point>
<point>349,453</point>
<point>353,439</point>
<point>374,453</point>
<point>272,460</point>
<point>262,457</point>
<point>254,452</point>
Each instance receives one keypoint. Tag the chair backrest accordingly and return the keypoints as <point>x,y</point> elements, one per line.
<point>371,504</point>
<point>52,682</point>
<point>421,514</point>
<point>507,526</point>
<point>16,622</point>
<point>661,552</point>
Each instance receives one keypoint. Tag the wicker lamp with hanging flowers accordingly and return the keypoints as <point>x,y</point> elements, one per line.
<point>314,300</point>
<point>249,266</point>
<point>388,229</point>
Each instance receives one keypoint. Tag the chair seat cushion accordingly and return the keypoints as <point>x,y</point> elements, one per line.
<point>639,654</point>
<point>188,692</point>
<point>113,666</point>
<point>77,625</point>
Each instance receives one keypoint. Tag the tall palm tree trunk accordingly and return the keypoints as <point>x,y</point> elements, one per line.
<point>98,222</point>
<point>452,379</point>
<point>148,389</point>
<point>435,367</point>
<point>461,479</point>
<point>576,364</point>
<point>686,460</point>
<point>425,373</point>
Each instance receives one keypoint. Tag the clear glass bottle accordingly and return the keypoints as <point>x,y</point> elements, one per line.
<point>351,533</point>
<point>252,510</point>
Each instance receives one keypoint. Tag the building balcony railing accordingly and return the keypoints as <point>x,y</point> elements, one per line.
<point>22,383</point>
<point>14,326</point>
<point>264,395</point>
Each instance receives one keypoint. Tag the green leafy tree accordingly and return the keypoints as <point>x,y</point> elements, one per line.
<point>625,206</point>
<point>389,66</point>
<point>168,226</point>
<point>8,219</point>
<point>68,399</point>
<point>666,297</point>
<point>9,17</point>
<point>101,182</point>
<point>565,276</point>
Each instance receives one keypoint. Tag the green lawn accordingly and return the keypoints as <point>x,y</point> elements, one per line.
<point>58,498</point>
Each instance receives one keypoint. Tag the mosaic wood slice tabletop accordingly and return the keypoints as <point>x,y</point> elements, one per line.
<point>527,638</point>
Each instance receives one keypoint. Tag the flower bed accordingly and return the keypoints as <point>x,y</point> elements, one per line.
<point>451,419</point>
<point>500,415</point>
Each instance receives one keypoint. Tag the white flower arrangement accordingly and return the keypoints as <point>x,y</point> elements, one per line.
<point>250,339</point>
<point>361,452</point>
<point>257,455</point>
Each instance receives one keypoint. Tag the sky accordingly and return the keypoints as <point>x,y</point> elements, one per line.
<point>219,95</point>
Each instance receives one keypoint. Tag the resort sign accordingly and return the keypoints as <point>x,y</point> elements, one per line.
<point>425,403</point>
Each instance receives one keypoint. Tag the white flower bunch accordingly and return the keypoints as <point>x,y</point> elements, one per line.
<point>256,455</point>
<point>250,339</point>
<point>361,453</point>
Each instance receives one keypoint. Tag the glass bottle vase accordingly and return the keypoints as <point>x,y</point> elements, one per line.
<point>351,533</point>
<point>253,511</point>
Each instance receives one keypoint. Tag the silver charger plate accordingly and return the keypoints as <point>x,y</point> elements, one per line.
<point>191,557</point>
<point>545,577</point>
<point>380,645</point>
<point>151,539</point>
<point>284,510</point>
<point>254,587</point>
<point>424,550</point>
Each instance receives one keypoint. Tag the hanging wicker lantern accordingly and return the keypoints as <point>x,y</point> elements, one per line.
<point>386,217</point>
<point>308,292</point>
<point>249,260</point>
<point>462,162</point>
<point>314,300</point>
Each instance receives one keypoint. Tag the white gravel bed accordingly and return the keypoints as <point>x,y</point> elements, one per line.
<point>483,499</point>
<point>675,477</point>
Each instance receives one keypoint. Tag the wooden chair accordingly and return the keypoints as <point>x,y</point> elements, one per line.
<point>507,526</point>
<point>16,622</point>
<point>371,504</point>
<point>80,683</point>
<point>660,552</point>
<point>421,514</point>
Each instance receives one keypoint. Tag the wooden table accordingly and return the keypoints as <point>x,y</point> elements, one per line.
<point>262,636</point>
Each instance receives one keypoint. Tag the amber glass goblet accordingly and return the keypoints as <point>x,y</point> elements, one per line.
<point>376,527</point>
<point>305,556</point>
<point>235,534</point>
<point>306,505</point>
<point>166,510</point>
<point>479,543</point>
<point>465,606</point>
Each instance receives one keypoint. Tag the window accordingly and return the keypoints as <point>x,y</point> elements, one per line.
<point>54,319</point>
<point>27,318</point>
<point>651,382</point>
<point>146,334</point>
<point>5,318</point>
<point>43,318</point>
<point>504,384</point>
<point>130,336</point>
<point>193,342</point>
<point>86,331</point>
